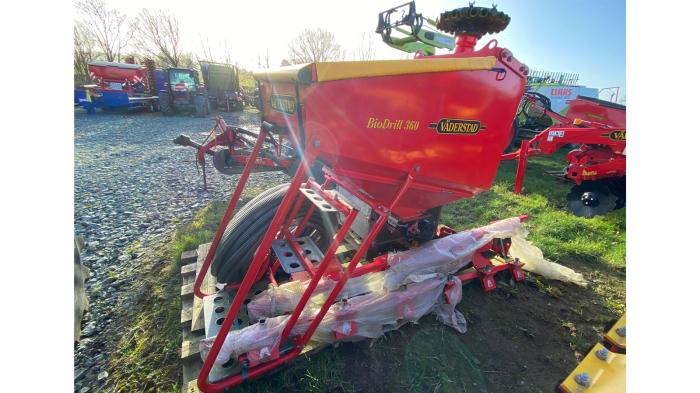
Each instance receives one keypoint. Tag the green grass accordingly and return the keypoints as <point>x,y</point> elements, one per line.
<point>562,236</point>
<point>147,356</point>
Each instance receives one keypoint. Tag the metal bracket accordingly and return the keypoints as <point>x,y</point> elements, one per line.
<point>289,261</point>
<point>318,200</point>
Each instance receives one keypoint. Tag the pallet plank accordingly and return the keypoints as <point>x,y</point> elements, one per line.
<point>190,268</point>
<point>208,286</point>
<point>190,343</point>
<point>187,290</point>
<point>188,257</point>
<point>190,371</point>
<point>186,313</point>
<point>189,350</point>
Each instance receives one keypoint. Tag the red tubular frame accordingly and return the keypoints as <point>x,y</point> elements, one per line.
<point>248,281</point>
<point>316,273</point>
<point>229,213</point>
<point>328,266</point>
<point>555,138</point>
<point>592,135</point>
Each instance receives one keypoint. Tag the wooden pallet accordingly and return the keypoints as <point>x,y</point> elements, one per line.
<point>191,317</point>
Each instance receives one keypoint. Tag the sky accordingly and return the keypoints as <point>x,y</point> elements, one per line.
<point>577,36</point>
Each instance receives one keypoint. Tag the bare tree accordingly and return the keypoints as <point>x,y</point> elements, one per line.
<point>366,48</point>
<point>314,45</point>
<point>206,49</point>
<point>107,27</point>
<point>226,56</point>
<point>157,34</point>
<point>264,60</point>
<point>83,52</point>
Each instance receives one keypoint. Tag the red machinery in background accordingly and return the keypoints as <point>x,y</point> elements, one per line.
<point>597,165</point>
<point>375,149</point>
<point>119,76</point>
<point>119,86</point>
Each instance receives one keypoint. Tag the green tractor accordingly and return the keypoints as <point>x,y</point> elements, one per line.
<point>416,32</point>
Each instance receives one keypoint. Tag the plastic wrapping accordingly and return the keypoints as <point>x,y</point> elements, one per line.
<point>365,316</point>
<point>536,263</point>
<point>283,299</point>
<point>261,337</point>
<point>446,312</point>
<point>446,255</point>
<point>373,314</point>
<point>416,283</point>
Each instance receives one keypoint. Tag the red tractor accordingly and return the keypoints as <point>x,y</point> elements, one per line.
<point>375,149</point>
<point>597,165</point>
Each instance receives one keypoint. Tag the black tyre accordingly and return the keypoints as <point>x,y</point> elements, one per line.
<point>514,140</point>
<point>244,234</point>
<point>164,103</point>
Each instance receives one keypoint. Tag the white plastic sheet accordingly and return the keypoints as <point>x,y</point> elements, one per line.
<point>365,316</point>
<point>536,263</point>
<point>282,299</point>
<point>446,255</point>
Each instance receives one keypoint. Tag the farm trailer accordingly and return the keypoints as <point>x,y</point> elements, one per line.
<point>222,86</point>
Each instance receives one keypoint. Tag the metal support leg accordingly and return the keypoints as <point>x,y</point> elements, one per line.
<point>260,256</point>
<point>522,165</point>
<point>229,213</point>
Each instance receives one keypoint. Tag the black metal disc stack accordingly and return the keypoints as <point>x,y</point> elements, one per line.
<point>474,21</point>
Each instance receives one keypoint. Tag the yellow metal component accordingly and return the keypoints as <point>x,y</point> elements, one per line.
<point>603,375</point>
<point>282,74</point>
<point>337,70</point>
<point>366,69</point>
<point>578,122</point>
<point>613,335</point>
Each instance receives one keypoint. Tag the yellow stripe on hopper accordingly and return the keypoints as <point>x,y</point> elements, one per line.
<point>337,70</point>
<point>282,74</point>
<point>332,71</point>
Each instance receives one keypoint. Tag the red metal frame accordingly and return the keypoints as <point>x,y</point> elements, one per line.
<point>232,138</point>
<point>328,267</point>
<point>394,171</point>
<point>229,213</point>
<point>600,156</point>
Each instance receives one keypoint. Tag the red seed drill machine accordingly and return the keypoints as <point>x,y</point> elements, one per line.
<point>374,148</point>
<point>597,165</point>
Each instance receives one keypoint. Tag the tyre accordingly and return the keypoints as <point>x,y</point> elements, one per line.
<point>246,229</point>
<point>513,141</point>
<point>164,103</point>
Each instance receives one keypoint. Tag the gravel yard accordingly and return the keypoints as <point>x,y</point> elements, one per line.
<point>133,186</point>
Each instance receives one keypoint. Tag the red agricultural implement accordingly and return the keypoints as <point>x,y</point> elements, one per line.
<point>375,148</point>
<point>119,86</point>
<point>597,165</point>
